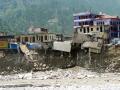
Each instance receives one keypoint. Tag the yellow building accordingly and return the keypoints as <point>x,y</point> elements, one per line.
<point>3,44</point>
<point>45,37</point>
<point>25,38</point>
<point>37,38</point>
<point>98,31</point>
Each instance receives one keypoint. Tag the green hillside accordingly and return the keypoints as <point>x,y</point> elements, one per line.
<point>56,15</point>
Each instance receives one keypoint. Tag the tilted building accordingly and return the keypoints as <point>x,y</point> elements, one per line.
<point>101,25</point>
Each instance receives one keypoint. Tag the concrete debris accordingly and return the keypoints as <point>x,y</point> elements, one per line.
<point>64,46</point>
<point>54,74</point>
<point>26,76</point>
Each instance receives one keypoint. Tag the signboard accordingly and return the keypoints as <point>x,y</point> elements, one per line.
<point>3,44</point>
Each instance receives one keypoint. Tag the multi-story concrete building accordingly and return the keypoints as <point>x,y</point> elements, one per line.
<point>99,24</point>
<point>45,37</point>
<point>37,35</point>
<point>3,33</point>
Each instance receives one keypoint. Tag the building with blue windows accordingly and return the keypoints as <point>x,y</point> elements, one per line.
<point>100,24</point>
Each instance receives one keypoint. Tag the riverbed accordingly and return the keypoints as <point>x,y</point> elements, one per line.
<point>76,78</point>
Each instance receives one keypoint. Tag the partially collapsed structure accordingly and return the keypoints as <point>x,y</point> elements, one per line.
<point>101,25</point>
<point>37,35</point>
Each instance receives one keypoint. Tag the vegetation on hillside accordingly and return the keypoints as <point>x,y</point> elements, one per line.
<point>55,15</point>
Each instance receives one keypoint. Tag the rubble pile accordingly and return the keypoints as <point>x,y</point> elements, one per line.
<point>18,63</point>
<point>14,63</point>
<point>114,65</point>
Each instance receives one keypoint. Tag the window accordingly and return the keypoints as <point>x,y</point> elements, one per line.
<point>75,24</point>
<point>91,22</point>
<point>116,28</point>
<point>117,22</point>
<point>50,37</point>
<point>37,37</point>
<point>86,23</point>
<point>111,23</point>
<point>97,28</point>
<point>41,38</point>
<point>84,30</point>
<point>83,23</point>
<point>97,23</point>
<point>18,39</point>
<point>111,28</point>
<point>26,39</point>
<point>80,29</point>
<point>46,37</point>
<point>101,29</point>
<point>103,23</point>
<point>33,39</point>
<point>75,17</point>
<point>91,29</point>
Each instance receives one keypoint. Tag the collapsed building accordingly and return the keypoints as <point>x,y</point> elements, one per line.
<point>101,28</point>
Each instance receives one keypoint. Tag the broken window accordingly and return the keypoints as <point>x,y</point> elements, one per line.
<point>91,29</point>
<point>46,37</point>
<point>101,29</point>
<point>33,39</point>
<point>41,38</point>
<point>84,30</point>
<point>97,28</point>
<point>80,29</point>
<point>26,39</point>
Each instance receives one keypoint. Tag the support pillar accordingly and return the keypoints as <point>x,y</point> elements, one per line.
<point>89,56</point>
